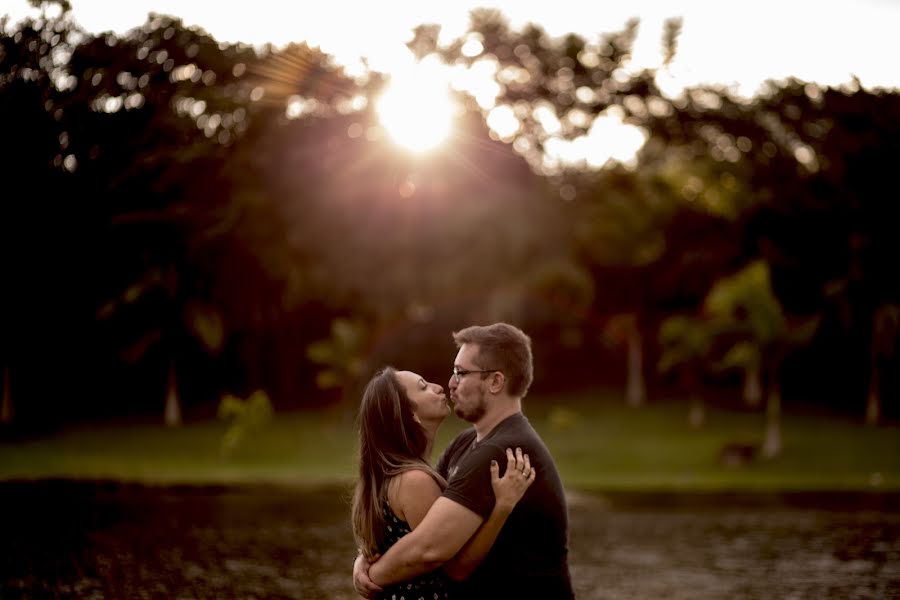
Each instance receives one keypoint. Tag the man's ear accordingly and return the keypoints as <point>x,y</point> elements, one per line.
<point>496,382</point>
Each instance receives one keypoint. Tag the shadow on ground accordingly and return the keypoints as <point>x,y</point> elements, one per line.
<point>103,540</point>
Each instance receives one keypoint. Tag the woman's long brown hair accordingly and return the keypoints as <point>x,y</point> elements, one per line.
<point>390,443</point>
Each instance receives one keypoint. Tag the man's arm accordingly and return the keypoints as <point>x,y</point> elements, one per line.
<point>444,530</point>
<point>508,491</point>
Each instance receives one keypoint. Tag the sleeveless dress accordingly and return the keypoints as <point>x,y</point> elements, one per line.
<point>434,585</point>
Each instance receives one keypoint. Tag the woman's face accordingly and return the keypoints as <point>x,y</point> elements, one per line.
<point>429,401</point>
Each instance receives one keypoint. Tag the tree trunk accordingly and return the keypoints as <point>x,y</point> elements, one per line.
<point>885,338</point>
<point>772,440</point>
<point>752,386</point>
<point>873,401</point>
<point>873,398</point>
<point>697,412</point>
<point>173,402</point>
<point>635,392</point>
<point>7,412</point>
<point>696,408</point>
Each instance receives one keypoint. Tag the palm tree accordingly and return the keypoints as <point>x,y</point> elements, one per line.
<point>623,329</point>
<point>686,342</point>
<point>620,234</point>
<point>746,301</point>
<point>342,356</point>
<point>181,318</point>
<point>885,332</point>
<point>6,412</point>
<point>752,389</point>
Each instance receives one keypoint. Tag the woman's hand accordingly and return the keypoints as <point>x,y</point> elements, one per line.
<point>361,582</point>
<point>519,476</point>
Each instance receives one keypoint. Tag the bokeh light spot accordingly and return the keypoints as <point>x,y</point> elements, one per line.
<point>503,121</point>
<point>416,109</point>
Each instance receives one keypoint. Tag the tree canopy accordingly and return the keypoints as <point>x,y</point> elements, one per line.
<point>180,209</point>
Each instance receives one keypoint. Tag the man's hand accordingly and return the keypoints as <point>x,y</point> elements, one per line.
<point>361,582</point>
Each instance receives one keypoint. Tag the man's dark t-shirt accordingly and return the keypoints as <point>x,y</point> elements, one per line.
<point>530,557</point>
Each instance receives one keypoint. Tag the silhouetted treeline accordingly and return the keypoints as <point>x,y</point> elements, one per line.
<point>183,218</point>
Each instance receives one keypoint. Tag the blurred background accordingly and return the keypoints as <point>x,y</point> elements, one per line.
<point>216,223</point>
<point>186,218</point>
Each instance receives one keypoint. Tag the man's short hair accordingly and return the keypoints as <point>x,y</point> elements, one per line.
<point>503,347</point>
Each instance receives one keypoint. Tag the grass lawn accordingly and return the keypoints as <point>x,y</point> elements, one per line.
<point>598,444</point>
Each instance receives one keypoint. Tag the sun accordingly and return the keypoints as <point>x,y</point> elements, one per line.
<point>416,109</point>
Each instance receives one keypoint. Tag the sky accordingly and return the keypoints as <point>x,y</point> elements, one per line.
<point>740,44</point>
<point>736,44</point>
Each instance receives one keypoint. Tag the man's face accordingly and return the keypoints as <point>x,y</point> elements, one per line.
<point>468,392</point>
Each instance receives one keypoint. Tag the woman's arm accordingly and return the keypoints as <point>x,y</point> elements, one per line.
<point>507,492</point>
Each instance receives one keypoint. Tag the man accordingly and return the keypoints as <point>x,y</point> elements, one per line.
<point>492,373</point>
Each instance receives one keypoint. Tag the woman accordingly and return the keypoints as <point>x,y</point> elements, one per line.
<point>399,416</point>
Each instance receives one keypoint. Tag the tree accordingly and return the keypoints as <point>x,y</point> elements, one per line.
<point>620,232</point>
<point>342,357</point>
<point>885,333</point>
<point>746,304</point>
<point>6,411</point>
<point>811,158</point>
<point>557,90</point>
<point>40,251</point>
<point>158,129</point>
<point>147,134</point>
<point>686,345</point>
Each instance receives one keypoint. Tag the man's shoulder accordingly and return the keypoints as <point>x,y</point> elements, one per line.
<point>462,439</point>
<point>469,458</point>
<point>515,431</point>
<point>454,451</point>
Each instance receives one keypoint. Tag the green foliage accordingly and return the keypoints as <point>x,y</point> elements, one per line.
<point>342,354</point>
<point>245,417</point>
<point>215,217</point>
<point>685,340</point>
<point>750,316</point>
<point>64,5</point>
<point>742,355</point>
<point>622,225</point>
<point>565,283</point>
<point>564,291</point>
<point>746,299</point>
<point>716,188</point>
<point>206,323</point>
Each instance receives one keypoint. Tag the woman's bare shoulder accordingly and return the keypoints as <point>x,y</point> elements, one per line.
<point>418,479</point>
<point>412,482</point>
<point>415,492</point>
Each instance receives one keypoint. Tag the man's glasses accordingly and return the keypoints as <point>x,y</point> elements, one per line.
<point>460,373</point>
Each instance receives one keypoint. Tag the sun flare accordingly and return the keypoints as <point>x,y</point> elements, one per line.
<point>416,109</point>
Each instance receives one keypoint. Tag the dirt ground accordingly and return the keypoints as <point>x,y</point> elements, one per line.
<point>89,540</point>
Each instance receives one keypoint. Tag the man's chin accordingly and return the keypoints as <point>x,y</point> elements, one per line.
<point>469,417</point>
